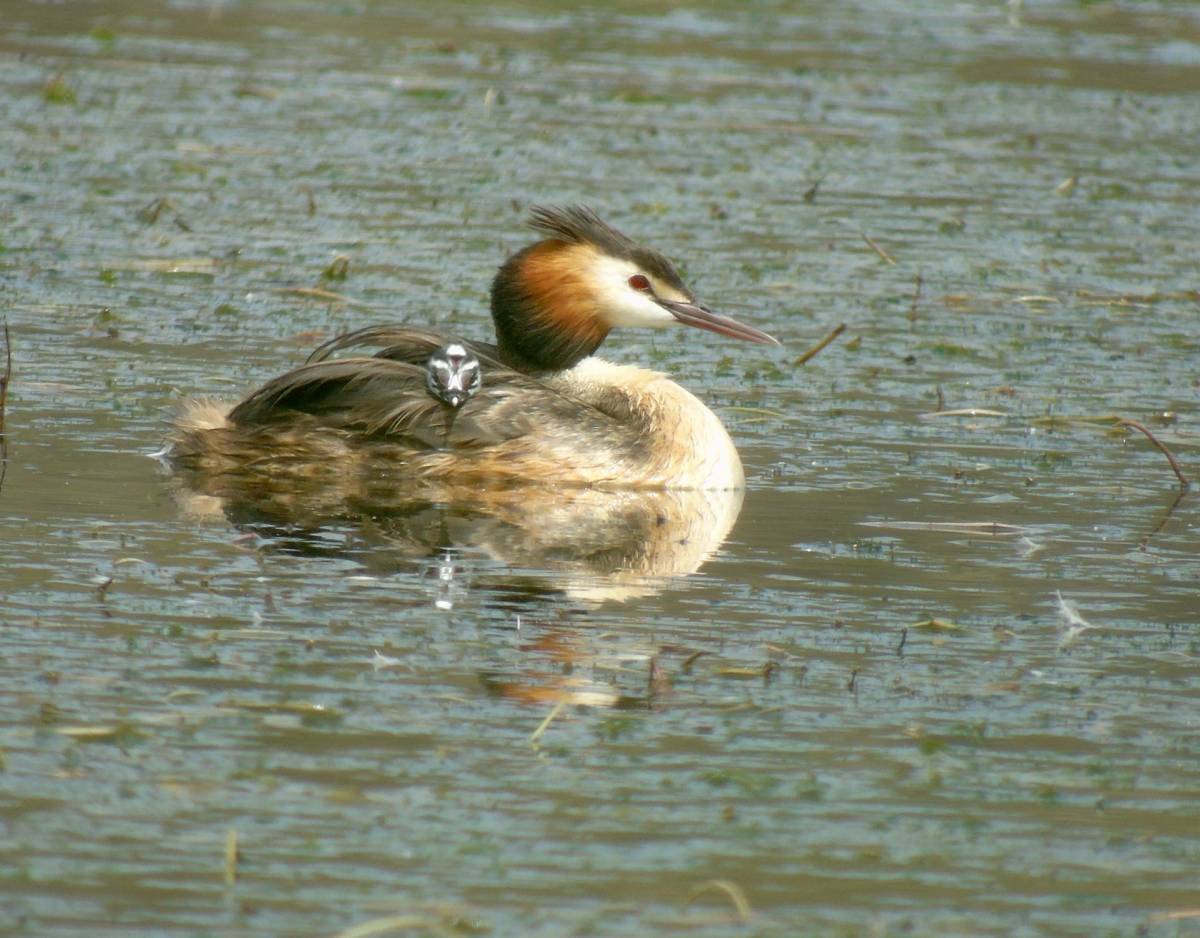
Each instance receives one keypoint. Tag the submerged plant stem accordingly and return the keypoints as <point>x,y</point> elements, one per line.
<point>1166,516</point>
<point>1184,484</point>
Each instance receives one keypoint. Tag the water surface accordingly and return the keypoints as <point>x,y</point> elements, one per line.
<point>864,725</point>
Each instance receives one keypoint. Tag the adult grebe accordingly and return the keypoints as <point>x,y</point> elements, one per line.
<point>547,411</point>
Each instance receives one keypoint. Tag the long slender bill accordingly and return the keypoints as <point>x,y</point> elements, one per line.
<point>692,314</point>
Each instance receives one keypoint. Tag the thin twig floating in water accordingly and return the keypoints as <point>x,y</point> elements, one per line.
<point>1177,915</point>
<point>962,412</point>
<point>318,294</point>
<point>4,380</point>
<point>731,889</point>
<point>937,625</point>
<point>1184,484</point>
<point>231,857</point>
<point>150,213</point>
<point>7,376</point>
<point>912,309</point>
<point>760,411</point>
<point>948,527</point>
<point>1053,423</point>
<point>816,349</point>
<point>392,924</point>
<point>878,250</point>
<point>550,717</point>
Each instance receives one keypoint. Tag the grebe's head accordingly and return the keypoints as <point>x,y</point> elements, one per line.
<point>453,375</point>
<point>555,301</point>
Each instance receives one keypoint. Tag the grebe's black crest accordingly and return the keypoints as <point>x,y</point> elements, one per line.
<point>453,374</point>
<point>578,224</point>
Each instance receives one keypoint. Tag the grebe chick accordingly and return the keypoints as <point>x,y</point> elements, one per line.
<point>452,374</point>
<point>549,413</point>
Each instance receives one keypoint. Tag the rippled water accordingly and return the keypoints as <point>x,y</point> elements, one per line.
<point>863,719</point>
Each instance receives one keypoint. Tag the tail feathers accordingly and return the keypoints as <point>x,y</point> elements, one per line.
<point>190,427</point>
<point>200,415</point>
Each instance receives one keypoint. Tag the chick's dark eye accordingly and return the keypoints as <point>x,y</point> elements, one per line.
<point>638,282</point>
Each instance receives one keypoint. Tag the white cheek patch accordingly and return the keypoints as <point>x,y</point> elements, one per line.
<point>620,304</point>
<point>637,309</point>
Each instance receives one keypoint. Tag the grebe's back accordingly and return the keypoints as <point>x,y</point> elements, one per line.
<point>375,415</point>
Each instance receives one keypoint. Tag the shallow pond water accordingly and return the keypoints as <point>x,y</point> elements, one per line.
<point>865,711</point>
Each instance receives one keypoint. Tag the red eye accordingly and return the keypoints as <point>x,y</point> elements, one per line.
<point>638,282</point>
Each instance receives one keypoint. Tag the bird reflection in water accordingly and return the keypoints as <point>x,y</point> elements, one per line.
<point>589,545</point>
<point>548,556</point>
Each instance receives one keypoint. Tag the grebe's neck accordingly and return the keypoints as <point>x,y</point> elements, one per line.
<point>685,445</point>
<point>546,313</point>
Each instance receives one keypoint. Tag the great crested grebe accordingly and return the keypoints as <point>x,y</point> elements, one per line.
<point>547,411</point>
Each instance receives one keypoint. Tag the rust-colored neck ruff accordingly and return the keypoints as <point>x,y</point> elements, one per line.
<point>546,313</point>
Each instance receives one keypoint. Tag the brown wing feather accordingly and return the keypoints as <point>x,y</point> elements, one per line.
<point>347,393</point>
<point>402,343</point>
<point>360,422</point>
<point>387,400</point>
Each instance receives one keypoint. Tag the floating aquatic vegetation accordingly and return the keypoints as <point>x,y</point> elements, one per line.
<point>58,91</point>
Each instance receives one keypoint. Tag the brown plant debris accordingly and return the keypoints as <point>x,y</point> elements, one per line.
<point>917,285</point>
<point>1184,483</point>
<point>231,856</point>
<point>963,412</point>
<point>338,268</point>
<point>816,349</point>
<point>7,376</point>
<point>317,293</point>
<point>731,889</point>
<point>949,527</point>
<point>878,250</point>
